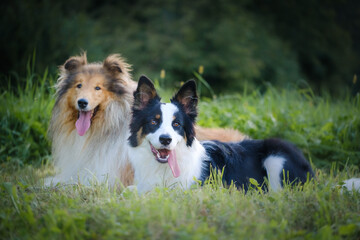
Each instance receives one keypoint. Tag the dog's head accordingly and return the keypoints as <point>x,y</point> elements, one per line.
<point>163,126</point>
<point>86,89</point>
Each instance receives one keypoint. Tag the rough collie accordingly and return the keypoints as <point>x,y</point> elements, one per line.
<point>90,122</point>
<point>165,152</point>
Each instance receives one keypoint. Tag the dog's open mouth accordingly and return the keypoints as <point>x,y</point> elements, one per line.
<point>161,155</point>
<point>167,156</point>
<point>84,120</point>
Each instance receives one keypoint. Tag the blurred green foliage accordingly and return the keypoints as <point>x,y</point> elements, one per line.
<point>24,118</point>
<point>236,41</point>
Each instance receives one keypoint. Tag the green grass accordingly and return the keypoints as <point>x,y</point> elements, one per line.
<point>317,211</point>
<point>24,118</point>
<point>326,129</point>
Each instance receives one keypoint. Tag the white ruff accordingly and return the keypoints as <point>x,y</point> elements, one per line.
<point>98,155</point>
<point>149,173</point>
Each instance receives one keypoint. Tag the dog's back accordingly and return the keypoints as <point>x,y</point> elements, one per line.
<point>274,159</point>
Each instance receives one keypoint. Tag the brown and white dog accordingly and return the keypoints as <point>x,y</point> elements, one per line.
<point>90,121</point>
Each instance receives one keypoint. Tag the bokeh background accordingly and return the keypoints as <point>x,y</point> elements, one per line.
<point>237,42</point>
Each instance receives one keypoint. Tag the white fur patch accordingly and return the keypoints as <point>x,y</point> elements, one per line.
<point>168,110</point>
<point>274,166</point>
<point>98,156</point>
<point>352,184</point>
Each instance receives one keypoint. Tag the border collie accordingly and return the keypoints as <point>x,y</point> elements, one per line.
<point>165,152</point>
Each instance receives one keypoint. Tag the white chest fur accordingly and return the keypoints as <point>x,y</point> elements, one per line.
<point>149,173</point>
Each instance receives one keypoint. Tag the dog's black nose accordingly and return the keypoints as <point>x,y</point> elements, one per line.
<point>82,103</point>
<point>165,139</point>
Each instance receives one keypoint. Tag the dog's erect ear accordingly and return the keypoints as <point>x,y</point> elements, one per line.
<point>187,97</point>
<point>114,64</point>
<point>74,63</point>
<point>144,93</point>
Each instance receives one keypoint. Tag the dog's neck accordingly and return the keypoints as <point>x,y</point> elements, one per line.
<point>149,173</point>
<point>101,154</point>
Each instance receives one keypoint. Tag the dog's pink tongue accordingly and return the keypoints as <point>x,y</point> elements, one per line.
<point>173,164</point>
<point>83,123</point>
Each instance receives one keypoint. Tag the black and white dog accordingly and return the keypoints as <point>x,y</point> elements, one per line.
<point>165,152</point>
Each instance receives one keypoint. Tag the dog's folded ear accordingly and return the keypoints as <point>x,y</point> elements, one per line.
<point>114,65</point>
<point>144,93</point>
<point>74,63</point>
<point>187,97</point>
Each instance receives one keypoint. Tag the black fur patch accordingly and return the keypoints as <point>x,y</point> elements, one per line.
<point>142,119</point>
<point>114,85</point>
<point>186,100</point>
<point>187,123</point>
<point>245,159</point>
<point>179,118</point>
<point>146,108</point>
<point>144,93</point>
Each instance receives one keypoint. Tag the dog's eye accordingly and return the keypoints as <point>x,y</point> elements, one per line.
<point>79,85</point>
<point>97,88</point>
<point>153,122</point>
<point>176,124</point>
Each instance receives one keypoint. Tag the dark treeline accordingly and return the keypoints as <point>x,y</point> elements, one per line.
<point>236,41</point>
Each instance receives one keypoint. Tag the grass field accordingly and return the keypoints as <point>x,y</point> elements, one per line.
<point>327,131</point>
